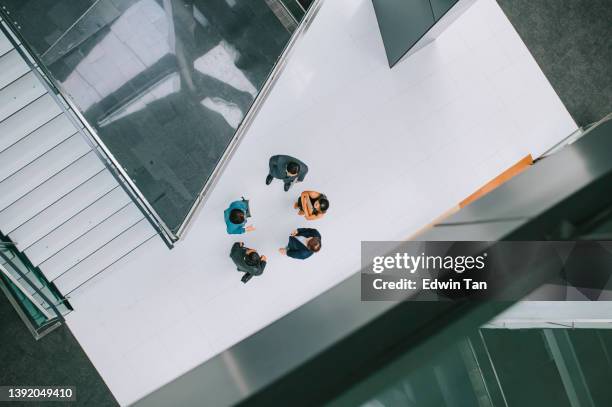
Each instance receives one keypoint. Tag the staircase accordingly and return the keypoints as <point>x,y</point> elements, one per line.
<point>60,202</point>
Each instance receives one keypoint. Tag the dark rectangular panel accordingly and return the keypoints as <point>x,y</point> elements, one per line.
<point>402,23</point>
<point>440,7</point>
<point>521,359</point>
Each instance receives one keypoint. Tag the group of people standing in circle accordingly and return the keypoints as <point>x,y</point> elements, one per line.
<point>303,242</point>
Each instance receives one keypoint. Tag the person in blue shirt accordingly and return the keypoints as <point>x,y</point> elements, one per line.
<point>303,243</point>
<point>236,217</point>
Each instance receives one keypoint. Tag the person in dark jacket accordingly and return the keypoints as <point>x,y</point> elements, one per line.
<point>247,261</point>
<point>302,244</point>
<point>236,217</point>
<point>286,168</point>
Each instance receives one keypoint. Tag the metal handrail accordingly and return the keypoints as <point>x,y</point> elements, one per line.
<point>24,277</point>
<point>25,292</point>
<point>300,5</point>
<point>287,12</point>
<point>249,117</point>
<point>575,136</point>
<point>87,132</point>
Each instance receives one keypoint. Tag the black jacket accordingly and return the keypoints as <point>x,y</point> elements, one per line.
<point>297,249</point>
<point>238,254</point>
<point>278,168</point>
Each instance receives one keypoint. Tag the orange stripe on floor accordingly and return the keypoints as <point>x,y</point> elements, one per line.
<point>505,176</point>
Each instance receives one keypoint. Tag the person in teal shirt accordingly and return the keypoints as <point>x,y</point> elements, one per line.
<point>236,217</point>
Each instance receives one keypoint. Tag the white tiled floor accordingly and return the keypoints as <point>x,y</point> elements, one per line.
<point>393,149</point>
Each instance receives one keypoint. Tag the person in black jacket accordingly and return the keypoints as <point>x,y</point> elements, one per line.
<point>302,244</point>
<point>247,261</point>
<point>286,168</point>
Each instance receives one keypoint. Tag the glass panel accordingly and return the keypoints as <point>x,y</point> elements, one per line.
<point>521,359</point>
<point>518,367</point>
<point>594,351</point>
<point>294,8</point>
<point>165,83</point>
<point>305,3</point>
<point>440,7</point>
<point>16,265</point>
<point>34,315</point>
<point>450,379</point>
<point>402,23</point>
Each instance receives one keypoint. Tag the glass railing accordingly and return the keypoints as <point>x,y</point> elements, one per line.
<point>296,8</point>
<point>168,88</point>
<point>38,303</point>
<point>498,367</point>
<point>451,377</point>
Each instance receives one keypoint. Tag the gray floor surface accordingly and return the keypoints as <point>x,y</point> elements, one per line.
<point>55,360</point>
<point>572,42</point>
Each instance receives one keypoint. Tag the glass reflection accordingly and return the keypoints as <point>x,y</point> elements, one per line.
<point>165,83</point>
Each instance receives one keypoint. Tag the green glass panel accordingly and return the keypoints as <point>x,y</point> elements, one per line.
<point>31,279</point>
<point>521,358</point>
<point>450,378</point>
<point>519,367</point>
<point>35,316</point>
<point>593,349</point>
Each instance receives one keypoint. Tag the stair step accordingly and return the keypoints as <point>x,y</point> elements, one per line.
<point>34,145</point>
<point>49,192</point>
<point>19,93</point>
<point>116,249</point>
<point>87,244</point>
<point>27,120</point>
<point>62,210</point>
<point>78,225</point>
<point>12,66</point>
<point>41,170</point>
<point>5,44</point>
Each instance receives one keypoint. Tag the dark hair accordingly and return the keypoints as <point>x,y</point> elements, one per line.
<point>236,216</point>
<point>323,203</point>
<point>314,244</point>
<point>293,168</point>
<point>252,259</point>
